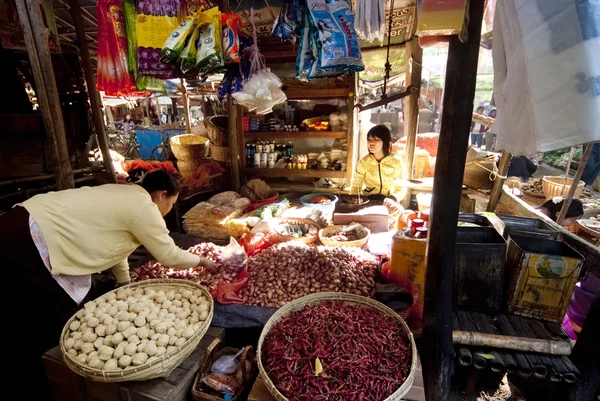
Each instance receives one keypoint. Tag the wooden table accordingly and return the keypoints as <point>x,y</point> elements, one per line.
<point>66,385</point>
<point>416,393</point>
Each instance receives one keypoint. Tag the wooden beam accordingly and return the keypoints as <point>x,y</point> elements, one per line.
<point>36,39</point>
<point>186,107</point>
<point>93,94</point>
<point>503,167</point>
<point>236,132</point>
<point>567,202</point>
<point>461,73</point>
<point>411,111</point>
<point>586,355</point>
<point>353,127</point>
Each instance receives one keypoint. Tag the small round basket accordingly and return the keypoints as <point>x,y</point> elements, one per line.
<point>219,153</point>
<point>218,130</point>
<point>359,243</point>
<point>308,239</point>
<point>556,186</point>
<point>189,147</point>
<point>159,367</point>
<point>356,300</point>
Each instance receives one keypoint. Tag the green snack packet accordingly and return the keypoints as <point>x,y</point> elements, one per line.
<point>129,13</point>
<point>187,58</point>
<point>176,41</point>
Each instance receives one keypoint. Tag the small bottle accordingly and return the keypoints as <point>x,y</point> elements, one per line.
<point>259,147</point>
<point>421,232</point>
<point>256,160</point>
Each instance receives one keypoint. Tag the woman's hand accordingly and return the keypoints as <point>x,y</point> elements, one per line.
<point>208,264</point>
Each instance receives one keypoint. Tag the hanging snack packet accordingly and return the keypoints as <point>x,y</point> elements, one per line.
<point>210,47</point>
<point>306,56</point>
<point>334,35</point>
<point>176,41</point>
<point>187,59</point>
<point>288,21</point>
<point>231,37</point>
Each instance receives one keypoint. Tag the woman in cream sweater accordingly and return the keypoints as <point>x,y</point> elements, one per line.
<point>53,242</point>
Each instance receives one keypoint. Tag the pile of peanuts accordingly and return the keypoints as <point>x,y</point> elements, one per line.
<point>292,270</point>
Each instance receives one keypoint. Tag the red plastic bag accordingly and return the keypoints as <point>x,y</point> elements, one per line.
<point>258,242</point>
<point>227,293</point>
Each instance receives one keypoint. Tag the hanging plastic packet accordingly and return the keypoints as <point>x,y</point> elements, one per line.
<point>187,58</point>
<point>306,56</point>
<point>176,41</point>
<point>210,48</point>
<point>286,27</point>
<point>231,37</point>
<point>129,16</point>
<point>333,32</point>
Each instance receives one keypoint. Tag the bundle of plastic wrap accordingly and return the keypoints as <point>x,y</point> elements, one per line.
<point>370,20</point>
<point>113,74</point>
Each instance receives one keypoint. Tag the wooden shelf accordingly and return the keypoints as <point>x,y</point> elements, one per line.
<point>310,94</point>
<point>295,135</point>
<point>284,172</point>
<point>282,186</point>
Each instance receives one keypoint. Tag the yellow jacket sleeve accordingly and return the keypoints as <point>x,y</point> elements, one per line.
<point>358,178</point>
<point>121,271</point>
<point>149,227</point>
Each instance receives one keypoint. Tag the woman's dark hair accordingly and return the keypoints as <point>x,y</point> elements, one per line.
<point>158,180</point>
<point>382,132</point>
<point>575,208</point>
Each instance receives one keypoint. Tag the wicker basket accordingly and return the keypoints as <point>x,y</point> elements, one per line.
<point>478,176</point>
<point>161,366</point>
<point>359,243</point>
<point>313,299</point>
<point>245,373</point>
<point>555,186</point>
<point>218,153</point>
<point>189,147</point>
<point>309,239</point>
<point>218,130</point>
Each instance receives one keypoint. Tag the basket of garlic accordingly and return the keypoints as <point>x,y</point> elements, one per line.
<point>138,332</point>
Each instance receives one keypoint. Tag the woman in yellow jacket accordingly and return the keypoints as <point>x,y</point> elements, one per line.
<point>52,243</point>
<point>376,172</point>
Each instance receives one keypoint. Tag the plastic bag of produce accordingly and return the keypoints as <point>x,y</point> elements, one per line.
<point>333,32</point>
<point>221,383</point>
<point>224,197</point>
<point>257,242</point>
<point>227,364</point>
<point>234,256</point>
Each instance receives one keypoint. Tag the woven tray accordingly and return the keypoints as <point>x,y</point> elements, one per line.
<point>246,372</point>
<point>309,239</point>
<point>160,367</point>
<point>313,299</point>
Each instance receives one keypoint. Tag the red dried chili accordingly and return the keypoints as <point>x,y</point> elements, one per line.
<point>365,355</point>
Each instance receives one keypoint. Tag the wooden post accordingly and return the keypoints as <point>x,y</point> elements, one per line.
<point>414,68</point>
<point>461,72</point>
<point>92,91</point>
<point>235,135</point>
<point>353,128</point>
<point>36,40</point>
<point>567,202</point>
<point>503,166</point>
<point>186,107</point>
<point>586,355</point>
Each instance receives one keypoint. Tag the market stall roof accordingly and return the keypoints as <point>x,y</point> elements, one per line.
<point>66,26</point>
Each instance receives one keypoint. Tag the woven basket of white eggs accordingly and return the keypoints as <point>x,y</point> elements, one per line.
<point>137,332</point>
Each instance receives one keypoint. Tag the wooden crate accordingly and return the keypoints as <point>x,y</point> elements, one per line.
<point>66,385</point>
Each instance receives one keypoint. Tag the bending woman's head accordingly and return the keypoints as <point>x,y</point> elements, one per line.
<point>162,187</point>
<point>379,139</point>
<point>552,210</point>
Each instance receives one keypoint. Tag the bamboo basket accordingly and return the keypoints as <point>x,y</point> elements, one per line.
<point>555,186</point>
<point>314,299</point>
<point>477,174</point>
<point>161,366</point>
<point>189,147</point>
<point>218,130</point>
<point>219,153</point>
<point>245,373</point>
<point>309,239</point>
<point>359,243</point>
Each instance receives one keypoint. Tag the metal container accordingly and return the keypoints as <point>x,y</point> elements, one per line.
<point>479,257</point>
<point>541,276</point>
<point>476,219</point>
<point>524,226</point>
